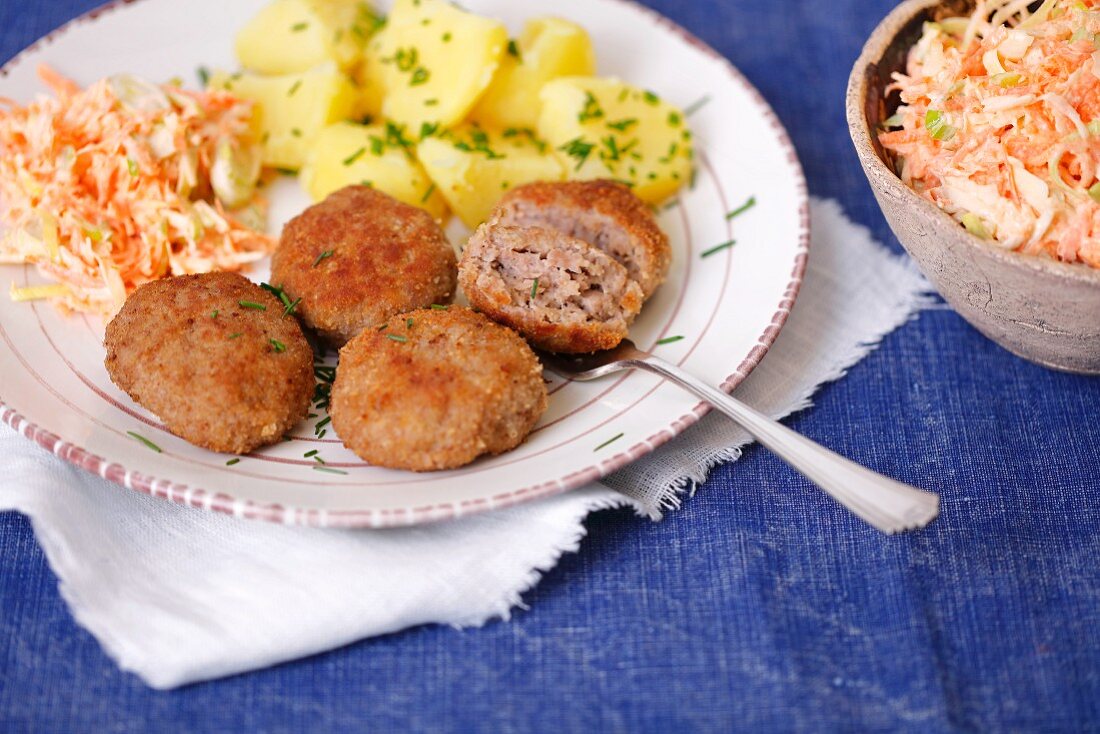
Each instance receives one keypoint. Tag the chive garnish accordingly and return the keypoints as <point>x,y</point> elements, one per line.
<point>718,248</point>
<point>234,336</point>
<point>438,307</point>
<point>623,125</point>
<point>650,97</point>
<point>322,256</point>
<point>431,102</point>
<point>447,37</point>
<point>397,338</point>
<point>420,76</point>
<point>513,49</point>
<point>534,288</point>
<point>322,433</point>
<point>318,467</point>
<point>144,440</point>
<point>671,205</point>
<point>669,340</point>
<point>742,209</point>
<point>132,166</point>
<point>214,315</point>
<point>297,27</point>
<point>697,105</point>
<point>322,423</point>
<point>203,74</point>
<point>608,442</point>
<point>277,345</point>
<point>234,460</point>
<point>291,307</point>
<point>318,459</point>
<point>310,454</point>
<point>428,194</point>
<point>409,323</point>
<point>383,327</point>
<point>354,156</point>
<point>295,132</point>
<point>253,305</point>
<point>294,88</point>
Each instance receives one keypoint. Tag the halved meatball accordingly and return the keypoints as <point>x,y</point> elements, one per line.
<point>435,389</point>
<point>360,256</point>
<point>215,357</point>
<point>560,293</point>
<point>604,214</point>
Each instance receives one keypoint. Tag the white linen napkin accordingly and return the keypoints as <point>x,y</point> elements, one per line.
<point>178,595</point>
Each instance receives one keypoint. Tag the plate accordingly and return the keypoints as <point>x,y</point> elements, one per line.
<point>728,307</point>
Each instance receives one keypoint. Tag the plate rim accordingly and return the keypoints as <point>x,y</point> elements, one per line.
<point>225,503</point>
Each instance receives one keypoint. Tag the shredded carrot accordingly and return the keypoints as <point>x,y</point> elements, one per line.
<point>106,188</point>
<point>1000,124</point>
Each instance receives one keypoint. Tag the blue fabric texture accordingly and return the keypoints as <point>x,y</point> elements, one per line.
<point>760,605</point>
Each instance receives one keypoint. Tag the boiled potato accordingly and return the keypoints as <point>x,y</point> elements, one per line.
<point>292,108</point>
<point>604,128</point>
<point>473,167</point>
<point>290,36</point>
<point>435,61</point>
<point>547,49</point>
<point>374,155</point>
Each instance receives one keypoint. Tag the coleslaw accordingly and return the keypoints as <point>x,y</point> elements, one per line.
<point>109,187</point>
<point>1000,124</point>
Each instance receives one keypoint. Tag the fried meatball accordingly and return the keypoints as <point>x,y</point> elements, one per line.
<point>215,357</point>
<point>435,389</point>
<point>559,292</point>
<point>360,256</point>
<point>604,214</point>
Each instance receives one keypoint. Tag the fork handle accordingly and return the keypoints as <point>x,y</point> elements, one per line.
<point>884,503</point>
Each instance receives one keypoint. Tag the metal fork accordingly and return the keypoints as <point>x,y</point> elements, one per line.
<point>884,503</point>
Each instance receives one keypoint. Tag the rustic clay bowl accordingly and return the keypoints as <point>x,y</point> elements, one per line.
<point>1044,311</point>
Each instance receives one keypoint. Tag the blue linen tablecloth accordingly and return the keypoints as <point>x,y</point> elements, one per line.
<point>760,605</point>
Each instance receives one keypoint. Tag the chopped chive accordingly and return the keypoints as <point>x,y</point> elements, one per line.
<point>671,205</point>
<point>742,209</point>
<point>354,156</point>
<point>295,132</point>
<point>234,460</point>
<point>234,336</point>
<point>252,305</point>
<point>287,171</point>
<point>674,119</point>
<point>447,37</point>
<point>420,76</point>
<point>132,166</point>
<point>277,345</point>
<point>214,315</point>
<point>318,467</point>
<point>323,422</point>
<point>318,459</point>
<point>297,27</point>
<point>322,433</point>
<point>718,248</point>
<point>608,442</point>
<point>203,74</point>
<point>291,307</point>
<point>697,105</point>
<point>409,323</point>
<point>310,454</point>
<point>144,440</point>
<point>534,288</point>
<point>623,125</point>
<point>397,338</point>
<point>294,88</point>
<point>431,102</point>
<point>322,256</point>
<point>669,340</point>
<point>428,194</point>
<point>383,327</point>
<point>513,49</point>
<point>438,307</point>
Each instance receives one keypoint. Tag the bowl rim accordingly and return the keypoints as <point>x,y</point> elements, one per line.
<point>881,39</point>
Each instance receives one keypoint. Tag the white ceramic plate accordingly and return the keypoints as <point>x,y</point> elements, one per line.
<point>729,307</point>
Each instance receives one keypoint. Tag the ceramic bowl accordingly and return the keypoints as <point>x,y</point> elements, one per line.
<point>1045,311</point>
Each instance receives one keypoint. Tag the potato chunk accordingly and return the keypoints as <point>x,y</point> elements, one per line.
<point>547,49</point>
<point>291,108</point>
<point>604,128</point>
<point>473,167</point>
<point>373,155</point>
<point>289,36</point>
<point>435,61</point>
